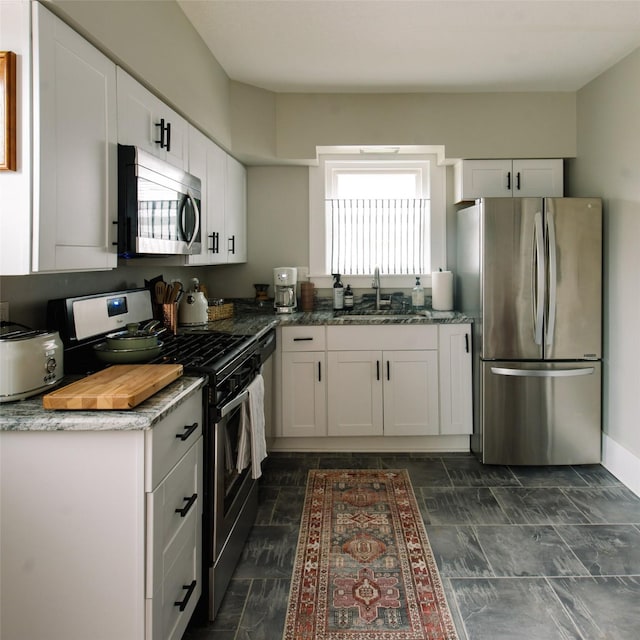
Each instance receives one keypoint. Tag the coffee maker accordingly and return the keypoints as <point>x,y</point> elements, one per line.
<point>284,282</point>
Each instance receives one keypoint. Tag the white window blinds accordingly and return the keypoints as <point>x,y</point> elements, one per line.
<point>389,233</point>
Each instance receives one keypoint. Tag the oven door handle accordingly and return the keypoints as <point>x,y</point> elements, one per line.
<point>236,402</point>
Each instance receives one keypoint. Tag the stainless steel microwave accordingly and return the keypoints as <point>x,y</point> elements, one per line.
<point>158,206</point>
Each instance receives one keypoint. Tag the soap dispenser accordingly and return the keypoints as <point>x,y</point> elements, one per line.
<point>338,292</point>
<point>417,295</point>
<point>348,297</point>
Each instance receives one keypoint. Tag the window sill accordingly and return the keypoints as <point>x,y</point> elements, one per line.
<point>364,282</point>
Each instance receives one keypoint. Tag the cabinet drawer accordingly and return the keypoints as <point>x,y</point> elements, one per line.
<point>174,505</point>
<point>353,338</point>
<point>182,583</point>
<point>303,339</point>
<point>171,438</point>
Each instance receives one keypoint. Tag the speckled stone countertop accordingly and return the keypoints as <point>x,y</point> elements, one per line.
<point>29,414</point>
<point>250,318</point>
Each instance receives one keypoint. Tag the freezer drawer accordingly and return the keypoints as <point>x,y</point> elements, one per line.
<point>540,413</point>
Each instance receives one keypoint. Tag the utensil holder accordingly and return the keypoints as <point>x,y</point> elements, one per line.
<point>169,316</point>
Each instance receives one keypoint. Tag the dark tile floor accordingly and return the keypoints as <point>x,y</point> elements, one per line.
<point>534,553</point>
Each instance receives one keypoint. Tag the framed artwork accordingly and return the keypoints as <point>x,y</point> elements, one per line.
<point>7,111</point>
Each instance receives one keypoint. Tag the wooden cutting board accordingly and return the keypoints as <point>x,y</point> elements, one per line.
<point>121,386</point>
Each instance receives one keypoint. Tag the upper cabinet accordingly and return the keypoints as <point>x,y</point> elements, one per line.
<point>61,204</point>
<point>146,122</point>
<point>236,211</point>
<point>224,202</point>
<point>504,178</point>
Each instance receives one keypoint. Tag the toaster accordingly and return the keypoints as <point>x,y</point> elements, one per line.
<point>31,361</point>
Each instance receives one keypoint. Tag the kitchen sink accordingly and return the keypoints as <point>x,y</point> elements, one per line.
<point>372,315</point>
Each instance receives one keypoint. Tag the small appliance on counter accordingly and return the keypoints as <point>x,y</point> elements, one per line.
<point>193,308</point>
<point>285,280</point>
<point>31,361</point>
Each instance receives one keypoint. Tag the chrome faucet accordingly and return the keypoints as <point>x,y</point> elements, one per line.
<point>376,285</point>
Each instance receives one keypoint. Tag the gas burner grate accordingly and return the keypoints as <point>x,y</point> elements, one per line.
<point>202,351</point>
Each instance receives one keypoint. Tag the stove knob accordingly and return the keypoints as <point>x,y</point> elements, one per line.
<point>51,365</point>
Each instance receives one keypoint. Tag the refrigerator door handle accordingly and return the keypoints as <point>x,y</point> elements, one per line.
<point>543,373</point>
<point>553,277</point>
<point>538,279</point>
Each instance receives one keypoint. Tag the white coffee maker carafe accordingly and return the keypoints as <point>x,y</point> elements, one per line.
<point>284,283</point>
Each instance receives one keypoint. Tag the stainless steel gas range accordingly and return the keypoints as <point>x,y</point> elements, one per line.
<point>230,363</point>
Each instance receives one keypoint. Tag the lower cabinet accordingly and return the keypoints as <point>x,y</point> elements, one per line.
<point>304,381</point>
<point>101,530</point>
<point>402,380</point>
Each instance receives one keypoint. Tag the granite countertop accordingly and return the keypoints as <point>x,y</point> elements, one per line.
<point>251,318</point>
<point>30,415</point>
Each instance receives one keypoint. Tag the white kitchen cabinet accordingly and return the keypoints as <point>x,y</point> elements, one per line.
<point>236,211</point>
<point>101,530</point>
<point>304,381</point>
<point>456,404</point>
<point>504,178</point>
<point>145,121</point>
<point>208,162</point>
<point>59,209</point>
<point>392,391</point>
<point>224,202</point>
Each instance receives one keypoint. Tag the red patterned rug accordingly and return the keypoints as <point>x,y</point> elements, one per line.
<point>364,569</point>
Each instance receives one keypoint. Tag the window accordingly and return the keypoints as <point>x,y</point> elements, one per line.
<point>370,210</point>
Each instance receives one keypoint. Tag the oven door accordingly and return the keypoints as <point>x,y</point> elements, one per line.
<point>231,487</point>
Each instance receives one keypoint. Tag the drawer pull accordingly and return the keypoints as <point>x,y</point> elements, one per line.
<point>190,428</point>
<point>303,339</point>
<point>190,502</point>
<point>190,589</point>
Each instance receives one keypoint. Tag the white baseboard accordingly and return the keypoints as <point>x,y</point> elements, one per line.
<point>623,464</point>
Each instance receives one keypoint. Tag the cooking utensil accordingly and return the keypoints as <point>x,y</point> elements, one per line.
<point>159,290</point>
<point>127,356</point>
<point>133,338</point>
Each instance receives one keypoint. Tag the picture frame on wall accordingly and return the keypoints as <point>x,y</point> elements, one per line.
<point>7,111</point>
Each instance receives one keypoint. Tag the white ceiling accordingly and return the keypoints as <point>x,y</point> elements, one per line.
<point>416,45</point>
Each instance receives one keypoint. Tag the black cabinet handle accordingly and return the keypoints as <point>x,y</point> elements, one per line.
<point>212,246</point>
<point>189,429</point>
<point>508,180</point>
<point>518,181</point>
<point>165,134</point>
<point>466,342</point>
<point>388,370</point>
<point>319,371</point>
<point>302,339</point>
<point>232,240</point>
<point>377,369</point>
<point>190,589</point>
<point>190,502</point>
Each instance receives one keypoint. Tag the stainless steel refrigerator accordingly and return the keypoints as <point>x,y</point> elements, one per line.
<point>530,274</point>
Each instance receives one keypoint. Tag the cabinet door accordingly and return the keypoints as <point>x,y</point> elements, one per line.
<point>483,179</point>
<point>146,122</point>
<point>456,412</point>
<point>75,163</point>
<point>355,393</point>
<point>538,178</point>
<point>236,211</point>
<point>304,394</point>
<point>207,161</point>
<point>410,393</point>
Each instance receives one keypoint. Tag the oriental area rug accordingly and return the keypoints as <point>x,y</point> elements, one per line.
<point>364,569</point>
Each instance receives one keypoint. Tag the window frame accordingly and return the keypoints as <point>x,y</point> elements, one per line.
<point>434,187</point>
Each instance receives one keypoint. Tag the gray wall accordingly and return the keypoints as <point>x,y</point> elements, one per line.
<point>608,165</point>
